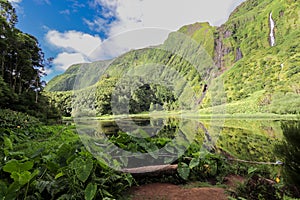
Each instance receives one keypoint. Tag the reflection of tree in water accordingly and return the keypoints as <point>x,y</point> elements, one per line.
<point>141,121</point>
<point>289,149</point>
<point>245,144</point>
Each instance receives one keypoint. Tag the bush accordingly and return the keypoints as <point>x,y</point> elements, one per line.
<point>13,119</point>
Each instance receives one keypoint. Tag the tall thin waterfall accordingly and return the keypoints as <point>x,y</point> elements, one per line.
<point>272,26</point>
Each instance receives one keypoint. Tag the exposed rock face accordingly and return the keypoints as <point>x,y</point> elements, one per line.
<point>281,13</point>
<point>239,54</point>
<point>221,50</point>
<point>227,34</point>
<point>218,53</point>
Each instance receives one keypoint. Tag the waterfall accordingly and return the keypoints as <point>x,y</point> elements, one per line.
<point>272,26</point>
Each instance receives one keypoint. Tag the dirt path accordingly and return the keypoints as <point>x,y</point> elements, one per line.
<point>166,191</point>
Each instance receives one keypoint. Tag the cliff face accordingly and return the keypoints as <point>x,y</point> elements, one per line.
<point>246,38</point>
<point>258,53</point>
<point>248,29</point>
<point>221,49</point>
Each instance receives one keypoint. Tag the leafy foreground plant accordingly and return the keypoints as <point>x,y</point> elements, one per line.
<point>47,162</point>
<point>258,187</point>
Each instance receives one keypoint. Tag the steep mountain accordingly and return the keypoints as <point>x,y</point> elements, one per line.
<point>262,77</point>
<point>66,81</point>
<point>249,64</point>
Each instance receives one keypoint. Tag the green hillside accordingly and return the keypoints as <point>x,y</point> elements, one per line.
<point>266,78</point>
<point>66,81</point>
<point>235,63</point>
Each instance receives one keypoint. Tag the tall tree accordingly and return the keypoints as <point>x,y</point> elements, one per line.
<point>22,63</point>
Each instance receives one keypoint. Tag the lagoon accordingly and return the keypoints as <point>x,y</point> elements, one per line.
<point>139,141</point>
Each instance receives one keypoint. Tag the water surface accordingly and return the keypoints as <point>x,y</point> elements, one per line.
<point>142,141</point>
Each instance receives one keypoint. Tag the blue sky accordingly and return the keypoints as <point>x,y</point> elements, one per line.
<point>70,30</point>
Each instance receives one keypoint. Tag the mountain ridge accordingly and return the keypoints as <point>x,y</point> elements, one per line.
<point>248,66</point>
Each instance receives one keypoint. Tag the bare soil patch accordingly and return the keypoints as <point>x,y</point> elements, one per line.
<point>167,191</point>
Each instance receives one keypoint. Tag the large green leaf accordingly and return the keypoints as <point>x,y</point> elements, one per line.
<point>16,166</point>
<point>8,143</point>
<point>90,191</point>
<point>82,168</point>
<point>194,163</point>
<point>183,171</point>
<point>21,178</point>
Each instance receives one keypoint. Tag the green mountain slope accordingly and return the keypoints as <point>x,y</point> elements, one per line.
<point>267,77</point>
<point>66,81</point>
<point>233,65</point>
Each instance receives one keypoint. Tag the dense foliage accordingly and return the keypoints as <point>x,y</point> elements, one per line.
<point>289,150</point>
<point>171,70</point>
<point>21,68</point>
<point>50,162</point>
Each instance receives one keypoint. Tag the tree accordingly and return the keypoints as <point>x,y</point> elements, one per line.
<point>5,93</point>
<point>8,12</point>
<point>22,63</point>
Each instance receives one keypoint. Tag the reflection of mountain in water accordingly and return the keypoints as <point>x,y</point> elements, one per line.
<point>137,142</point>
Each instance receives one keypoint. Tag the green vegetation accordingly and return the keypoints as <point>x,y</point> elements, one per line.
<point>289,150</point>
<point>50,162</point>
<point>287,177</point>
<point>67,81</point>
<point>120,79</point>
<point>271,72</point>
<point>22,63</point>
<point>231,68</point>
<point>250,76</point>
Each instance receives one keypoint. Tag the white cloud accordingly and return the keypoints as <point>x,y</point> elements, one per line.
<point>65,12</point>
<point>166,14</point>
<point>75,46</point>
<point>109,4</point>
<point>98,24</point>
<point>132,16</point>
<point>15,1</point>
<point>73,41</point>
<point>64,60</point>
<point>15,4</point>
<point>134,39</point>
<point>137,24</point>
